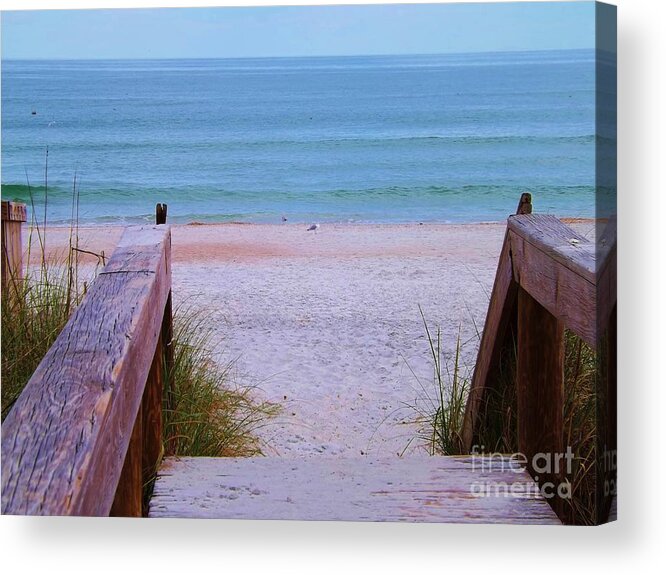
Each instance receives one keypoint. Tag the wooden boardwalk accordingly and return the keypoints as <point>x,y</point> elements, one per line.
<point>85,436</point>
<point>421,489</point>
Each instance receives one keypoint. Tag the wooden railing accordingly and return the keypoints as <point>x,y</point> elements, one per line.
<point>549,278</point>
<point>85,435</point>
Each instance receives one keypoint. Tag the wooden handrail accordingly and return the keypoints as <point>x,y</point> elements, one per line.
<point>556,266</point>
<point>84,433</point>
<point>548,278</point>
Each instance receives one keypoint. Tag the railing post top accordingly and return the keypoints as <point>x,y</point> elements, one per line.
<point>14,212</point>
<point>160,214</point>
<point>524,204</point>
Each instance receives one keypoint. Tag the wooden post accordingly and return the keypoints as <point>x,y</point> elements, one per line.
<point>607,424</point>
<point>498,340</point>
<point>540,387</point>
<point>153,398</point>
<point>13,216</point>
<point>524,204</point>
<point>168,348</point>
<point>128,501</point>
<point>152,415</point>
<point>160,214</point>
<point>166,344</point>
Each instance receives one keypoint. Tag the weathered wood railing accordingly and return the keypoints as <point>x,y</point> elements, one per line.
<point>549,278</point>
<point>85,435</point>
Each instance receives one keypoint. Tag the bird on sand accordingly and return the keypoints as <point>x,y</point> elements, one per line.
<point>313,228</point>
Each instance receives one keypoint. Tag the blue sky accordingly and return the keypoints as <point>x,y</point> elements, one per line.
<point>296,31</point>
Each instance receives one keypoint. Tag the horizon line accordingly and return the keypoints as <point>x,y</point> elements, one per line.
<point>379,55</point>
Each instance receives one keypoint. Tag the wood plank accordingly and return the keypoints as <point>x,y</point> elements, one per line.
<point>566,294</point>
<point>501,313</point>
<point>65,440</point>
<point>540,387</point>
<point>559,241</point>
<point>419,489</point>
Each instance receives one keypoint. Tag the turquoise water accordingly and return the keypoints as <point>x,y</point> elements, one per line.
<point>380,139</point>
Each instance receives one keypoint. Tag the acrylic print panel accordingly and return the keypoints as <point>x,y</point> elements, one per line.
<point>379,283</point>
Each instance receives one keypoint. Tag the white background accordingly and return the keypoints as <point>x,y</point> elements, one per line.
<point>75,545</point>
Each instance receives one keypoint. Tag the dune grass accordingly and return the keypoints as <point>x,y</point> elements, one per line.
<point>204,413</point>
<point>34,311</point>
<point>36,306</point>
<point>441,425</point>
<point>440,409</point>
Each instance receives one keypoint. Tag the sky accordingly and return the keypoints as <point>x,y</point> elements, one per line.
<point>296,30</point>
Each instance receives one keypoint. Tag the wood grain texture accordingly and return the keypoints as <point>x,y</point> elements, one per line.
<point>419,489</point>
<point>501,313</point>
<point>559,241</point>
<point>540,385</point>
<point>13,216</point>
<point>14,212</point>
<point>65,440</point>
<point>557,267</point>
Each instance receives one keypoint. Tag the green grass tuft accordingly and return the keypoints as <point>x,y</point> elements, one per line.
<point>440,409</point>
<point>35,309</point>
<point>204,414</point>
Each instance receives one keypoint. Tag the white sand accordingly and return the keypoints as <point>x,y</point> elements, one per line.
<point>330,321</point>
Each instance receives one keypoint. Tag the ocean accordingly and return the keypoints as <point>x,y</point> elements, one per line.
<point>432,138</point>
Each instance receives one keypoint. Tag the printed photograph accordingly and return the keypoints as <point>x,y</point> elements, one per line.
<point>329,263</point>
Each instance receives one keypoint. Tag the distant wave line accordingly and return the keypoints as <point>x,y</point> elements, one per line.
<point>386,139</point>
<point>196,193</point>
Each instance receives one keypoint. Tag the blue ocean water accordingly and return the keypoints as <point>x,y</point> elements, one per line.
<point>380,139</point>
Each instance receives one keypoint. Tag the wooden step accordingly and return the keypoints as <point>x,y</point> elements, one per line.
<point>425,489</point>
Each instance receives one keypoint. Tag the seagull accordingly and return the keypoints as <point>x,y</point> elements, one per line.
<point>313,228</point>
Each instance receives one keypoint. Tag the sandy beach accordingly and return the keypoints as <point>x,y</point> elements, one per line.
<point>327,324</point>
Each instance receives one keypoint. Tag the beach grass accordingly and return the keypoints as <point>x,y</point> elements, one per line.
<point>451,392</point>
<point>440,426</point>
<point>35,309</point>
<point>36,306</point>
<point>205,414</point>
<point>440,409</point>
